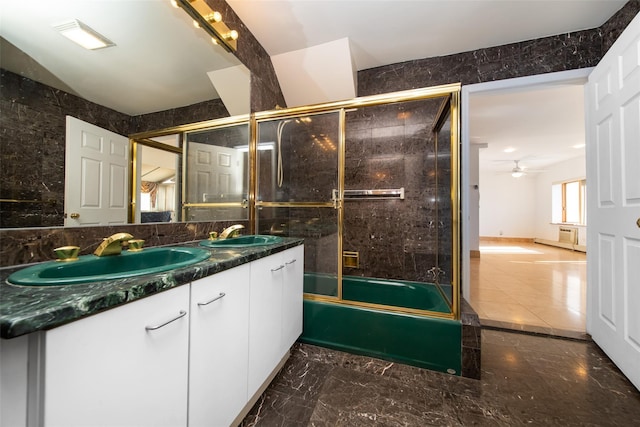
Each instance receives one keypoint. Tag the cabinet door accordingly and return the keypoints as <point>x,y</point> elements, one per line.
<point>121,367</point>
<point>292,291</point>
<point>265,319</point>
<point>219,347</point>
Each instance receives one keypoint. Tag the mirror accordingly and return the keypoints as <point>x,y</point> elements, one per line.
<point>159,182</point>
<point>160,64</point>
<point>217,174</point>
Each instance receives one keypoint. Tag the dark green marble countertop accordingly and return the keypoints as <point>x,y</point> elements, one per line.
<point>26,309</point>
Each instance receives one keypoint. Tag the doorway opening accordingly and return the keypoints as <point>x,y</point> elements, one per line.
<point>522,138</point>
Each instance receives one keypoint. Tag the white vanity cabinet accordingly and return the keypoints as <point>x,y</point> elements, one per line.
<point>125,366</point>
<point>195,355</point>
<point>292,293</point>
<point>219,349</point>
<point>275,304</point>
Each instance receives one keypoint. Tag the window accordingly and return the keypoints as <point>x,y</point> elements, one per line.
<point>568,202</point>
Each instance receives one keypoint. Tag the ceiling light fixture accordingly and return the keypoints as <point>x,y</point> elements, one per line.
<point>83,35</point>
<point>517,171</point>
<point>210,21</point>
<point>509,150</point>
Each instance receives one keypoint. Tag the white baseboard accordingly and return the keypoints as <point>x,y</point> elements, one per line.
<point>571,246</point>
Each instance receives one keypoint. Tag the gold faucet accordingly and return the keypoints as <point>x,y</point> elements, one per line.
<point>112,245</point>
<point>230,232</point>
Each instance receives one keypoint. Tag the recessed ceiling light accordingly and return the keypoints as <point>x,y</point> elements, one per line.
<point>83,35</point>
<point>578,146</point>
<point>509,150</point>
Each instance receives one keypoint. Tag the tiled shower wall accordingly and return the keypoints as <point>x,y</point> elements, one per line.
<point>389,147</point>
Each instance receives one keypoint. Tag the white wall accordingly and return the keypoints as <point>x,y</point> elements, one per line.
<point>507,205</point>
<point>572,169</point>
<point>521,207</point>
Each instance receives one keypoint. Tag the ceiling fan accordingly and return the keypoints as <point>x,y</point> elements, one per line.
<point>517,171</point>
<point>520,171</point>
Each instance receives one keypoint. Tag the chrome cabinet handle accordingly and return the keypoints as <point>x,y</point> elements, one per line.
<point>222,294</point>
<point>153,328</point>
<point>291,262</point>
<point>279,268</point>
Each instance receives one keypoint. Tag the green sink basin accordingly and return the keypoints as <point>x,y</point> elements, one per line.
<point>242,241</point>
<point>92,268</point>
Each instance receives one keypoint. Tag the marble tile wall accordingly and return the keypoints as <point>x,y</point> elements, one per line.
<point>32,146</point>
<point>265,89</point>
<point>207,110</point>
<point>390,147</point>
<point>614,26</point>
<point>580,49</point>
<point>558,53</point>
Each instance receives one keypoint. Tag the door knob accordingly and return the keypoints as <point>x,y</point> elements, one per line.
<point>75,215</point>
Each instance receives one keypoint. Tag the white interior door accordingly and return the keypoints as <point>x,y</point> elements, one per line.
<point>215,173</point>
<point>96,175</point>
<point>613,186</point>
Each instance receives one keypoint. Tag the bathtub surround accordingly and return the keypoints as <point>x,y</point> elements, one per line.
<point>387,147</point>
<point>471,341</point>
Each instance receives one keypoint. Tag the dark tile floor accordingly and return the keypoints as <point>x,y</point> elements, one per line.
<point>526,380</point>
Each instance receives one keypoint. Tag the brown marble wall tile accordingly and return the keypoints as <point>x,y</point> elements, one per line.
<point>614,26</point>
<point>32,147</point>
<point>558,53</point>
<point>207,110</point>
<point>471,341</point>
<point>265,88</point>
<point>387,147</point>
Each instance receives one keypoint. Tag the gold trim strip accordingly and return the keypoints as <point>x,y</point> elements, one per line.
<point>455,200</point>
<point>133,174</point>
<point>183,173</point>
<point>364,101</point>
<point>213,205</point>
<point>381,307</point>
<point>342,138</point>
<point>295,204</point>
<point>253,175</point>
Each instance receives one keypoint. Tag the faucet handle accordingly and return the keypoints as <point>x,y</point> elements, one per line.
<point>135,245</point>
<point>67,253</point>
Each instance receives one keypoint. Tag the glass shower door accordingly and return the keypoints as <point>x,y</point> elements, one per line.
<point>297,173</point>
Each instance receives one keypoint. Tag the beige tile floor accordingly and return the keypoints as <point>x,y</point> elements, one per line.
<point>530,287</point>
